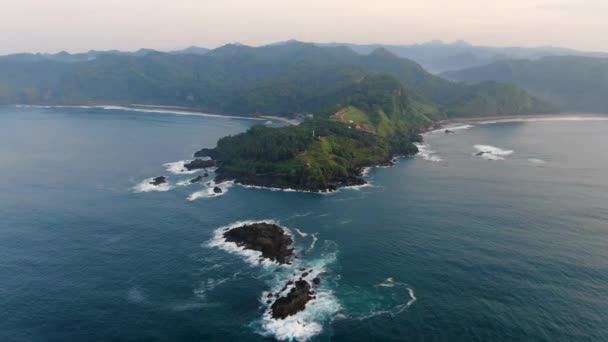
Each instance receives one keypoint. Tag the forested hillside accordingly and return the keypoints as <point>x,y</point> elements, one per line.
<point>570,83</point>
<point>235,79</point>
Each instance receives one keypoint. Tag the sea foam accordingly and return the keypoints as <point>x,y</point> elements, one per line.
<point>427,153</point>
<point>492,152</point>
<point>146,186</point>
<point>307,323</point>
<point>208,192</point>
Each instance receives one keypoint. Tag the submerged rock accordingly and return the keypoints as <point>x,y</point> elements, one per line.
<point>316,280</point>
<point>447,131</point>
<point>159,180</point>
<point>217,190</point>
<point>269,239</point>
<point>294,302</point>
<point>196,180</point>
<point>199,164</point>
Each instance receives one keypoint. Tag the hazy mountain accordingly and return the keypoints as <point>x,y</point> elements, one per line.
<point>572,83</point>
<point>236,79</point>
<point>438,57</point>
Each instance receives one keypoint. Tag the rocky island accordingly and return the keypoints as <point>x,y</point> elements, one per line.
<point>376,123</point>
<point>269,239</point>
<point>159,180</point>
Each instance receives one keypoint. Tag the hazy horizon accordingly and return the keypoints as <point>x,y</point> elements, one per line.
<point>76,26</point>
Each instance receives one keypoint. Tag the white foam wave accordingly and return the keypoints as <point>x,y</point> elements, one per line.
<point>147,186</point>
<point>301,233</point>
<point>314,241</point>
<point>179,168</point>
<point>208,192</point>
<point>307,323</point>
<point>490,152</point>
<point>426,153</point>
<point>250,256</point>
<point>161,111</point>
<point>454,127</point>
<point>413,298</point>
<point>537,161</point>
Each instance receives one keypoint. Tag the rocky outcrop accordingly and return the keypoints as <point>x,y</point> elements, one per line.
<point>196,180</point>
<point>269,239</point>
<point>294,302</point>
<point>159,180</point>
<point>199,164</point>
<point>206,152</point>
<point>217,190</point>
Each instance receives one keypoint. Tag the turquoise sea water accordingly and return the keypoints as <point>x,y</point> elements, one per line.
<point>511,245</point>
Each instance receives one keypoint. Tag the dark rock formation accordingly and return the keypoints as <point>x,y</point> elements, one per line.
<point>196,180</point>
<point>199,164</point>
<point>294,302</point>
<point>217,190</point>
<point>269,239</point>
<point>447,131</point>
<point>206,174</point>
<point>159,180</point>
<point>206,152</point>
<point>481,153</point>
<point>316,281</point>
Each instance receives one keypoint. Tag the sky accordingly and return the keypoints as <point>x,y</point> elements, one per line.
<point>82,25</point>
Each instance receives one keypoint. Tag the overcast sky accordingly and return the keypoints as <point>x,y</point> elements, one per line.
<point>81,25</point>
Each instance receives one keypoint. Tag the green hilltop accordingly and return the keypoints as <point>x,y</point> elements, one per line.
<point>328,150</point>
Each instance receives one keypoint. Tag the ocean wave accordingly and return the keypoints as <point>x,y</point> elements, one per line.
<point>307,323</point>
<point>426,153</point>
<point>146,186</point>
<point>315,238</point>
<point>208,192</point>
<point>179,167</point>
<point>537,161</point>
<point>490,152</point>
<point>301,233</point>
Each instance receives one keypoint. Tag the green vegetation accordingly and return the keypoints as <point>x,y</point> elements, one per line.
<point>323,153</point>
<point>235,79</point>
<point>571,83</point>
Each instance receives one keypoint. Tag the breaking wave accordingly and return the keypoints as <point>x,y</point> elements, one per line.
<point>179,168</point>
<point>426,153</point>
<point>146,186</point>
<point>307,323</point>
<point>452,128</point>
<point>208,192</point>
<point>490,152</point>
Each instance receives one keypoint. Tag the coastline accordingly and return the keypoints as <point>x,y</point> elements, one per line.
<point>565,116</point>
<point>175,110</point>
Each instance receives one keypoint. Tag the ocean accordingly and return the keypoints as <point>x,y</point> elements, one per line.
<point>498,232</point>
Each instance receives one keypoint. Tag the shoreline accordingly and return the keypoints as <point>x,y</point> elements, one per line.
<point>565,116</point>
<point>175,110</point>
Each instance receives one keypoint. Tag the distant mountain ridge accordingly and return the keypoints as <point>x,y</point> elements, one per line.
<point>437,56</point>
<point>280,79</point>
<point>572,83</point>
